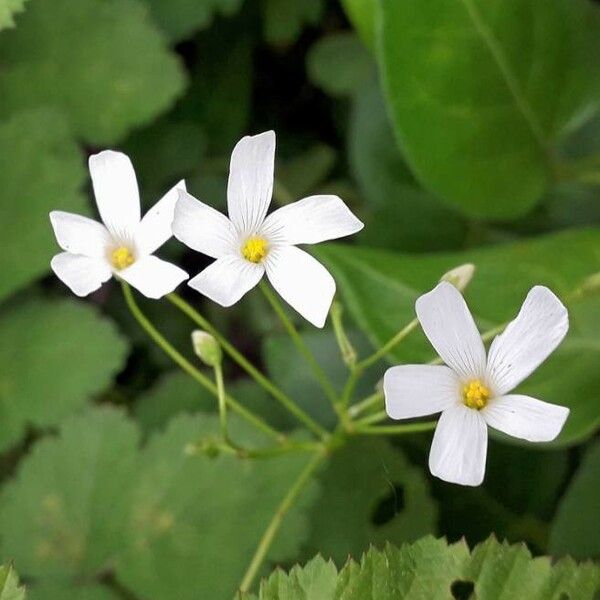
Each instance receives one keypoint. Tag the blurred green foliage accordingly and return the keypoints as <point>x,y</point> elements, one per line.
<point>459,132</point>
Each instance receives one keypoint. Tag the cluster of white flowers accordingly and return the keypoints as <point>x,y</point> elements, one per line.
<point>471,392</point>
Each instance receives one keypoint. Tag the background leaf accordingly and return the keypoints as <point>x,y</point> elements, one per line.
<point>283,21</point>
<point>60,354</point>
<point>121,75</point>
<point>458,74</point>
<point>572,531</point>
<point>431,568</point>
<point>40,171</point>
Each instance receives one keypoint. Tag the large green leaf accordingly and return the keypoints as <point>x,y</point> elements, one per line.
<point>64,514</point>
<point>381,287</point>
<point>362,14</point>
<point>179,19</point>
<point>372,494</point>
<point>58,355</point>
<point>8,9</point>
<point>480,91</point>
<point>572,531</point>
<point>120,76</point>
<point>158,517</point>
<point>404,216</point>
<point>40,169</point>
<point>9,585</point>
<point>195,521</point>
<point>430,569</point>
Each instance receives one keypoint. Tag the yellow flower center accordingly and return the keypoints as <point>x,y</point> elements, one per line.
<point>122,257</point>
<point>475,394</point>
<point>255,249</point>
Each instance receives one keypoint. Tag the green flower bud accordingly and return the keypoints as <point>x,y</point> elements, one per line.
<point>207,348</point>
<point>460,276</point>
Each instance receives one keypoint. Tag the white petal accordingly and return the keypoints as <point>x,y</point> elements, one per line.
<point>538,329</point>
<point>302,281</point>
<point>80,235</point>
<point>312,220</point>
<point>250,185</point>
<point>116,191</point>
<point>418,390</point>
<point>153,277</point>
<point>459,448</point>
<point>227,279</point>
<point>82,274</point>
<point>203,228</point>
<point>525,418</point>
<point>155,228</point>
<point>447,322</point>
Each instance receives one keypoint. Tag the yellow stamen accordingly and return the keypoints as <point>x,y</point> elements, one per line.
<point>122,258</point>
<point>475,394</point>
<point>255,249</point>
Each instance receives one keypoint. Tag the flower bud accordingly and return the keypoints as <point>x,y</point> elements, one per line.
<point>206,348</point>
<point>460,276</point>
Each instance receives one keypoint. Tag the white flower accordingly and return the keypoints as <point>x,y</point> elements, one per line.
<point>124,244</point>
<point>472,392</point>
<point>250,243</point>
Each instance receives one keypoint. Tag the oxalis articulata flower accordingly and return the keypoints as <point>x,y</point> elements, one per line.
<point>473,390</point>
<point>124,243</point>
<point>249,243</point>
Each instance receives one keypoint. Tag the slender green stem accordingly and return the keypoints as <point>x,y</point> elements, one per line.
<point>182,362</point>
<point>347,392</point>
<point>344,344</point>
<point>300,344</point>
<point>395,429</point>
<point>222,402</point>
<point>371,419</point>
<point>360,407</point>
<point>271,531</point>
<point>245,364</point>
<point>227,447</point>
<point>388,346</point>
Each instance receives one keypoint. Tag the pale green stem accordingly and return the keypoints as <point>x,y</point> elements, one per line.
<point>388,346</point>
<point>182,362</point>
<point>360,407</point>
<point>222,402</point>
<point>300,344</point>
<point>395,429</point>
<point>371,419</point>
<point>344,344</point>
<point>271,531</point>
<point>245,364</point>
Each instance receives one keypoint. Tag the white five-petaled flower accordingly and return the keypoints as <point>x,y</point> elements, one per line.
<point>124,244</point>
<point>249,243</point>
<point>473,391</point>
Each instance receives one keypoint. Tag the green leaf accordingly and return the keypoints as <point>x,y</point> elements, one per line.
<point>380,289</point>
<point>9,585</point>
<point>76,591</point>
<point>8,9</point>
<point>195,521</point>
<point>572,532</point>
<point>390,189</point>
<point>158,517</point>
<point>77,485</point>
<point>428,570</point>
<point>120,77</point>
<point>478,107</point>
<point>339,64</point>
<point>40,169</point>
<point>390,501</point>
<point>59,354</point>
<point>284,20</point>
<point>362,15</point>
<point>179,19</point>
